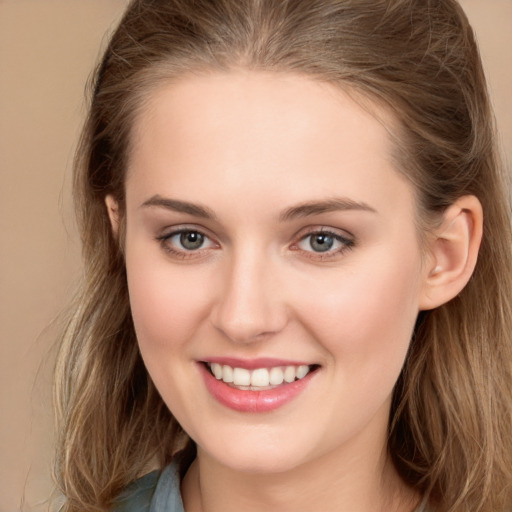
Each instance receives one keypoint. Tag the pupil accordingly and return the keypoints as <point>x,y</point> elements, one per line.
<point>191,240</point>
<point>321,243</point>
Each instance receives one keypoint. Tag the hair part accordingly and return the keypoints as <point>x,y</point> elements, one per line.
<point>450,426</point>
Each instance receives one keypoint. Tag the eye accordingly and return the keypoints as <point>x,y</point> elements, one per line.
<point>184,241</point>
<point>318,242</point>
<point>189,240</point>
<point>324,242</point>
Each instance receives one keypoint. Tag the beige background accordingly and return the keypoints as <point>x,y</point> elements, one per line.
<point>47,49</point>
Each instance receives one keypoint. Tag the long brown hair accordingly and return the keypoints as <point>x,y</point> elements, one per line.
<point>450,432</point>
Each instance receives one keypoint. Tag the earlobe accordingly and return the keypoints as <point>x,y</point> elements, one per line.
<point>453,252</point>
<point>113,213</point>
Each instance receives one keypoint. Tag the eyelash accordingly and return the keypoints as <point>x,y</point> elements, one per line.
<point>346,244</point>
<point>165,242</point>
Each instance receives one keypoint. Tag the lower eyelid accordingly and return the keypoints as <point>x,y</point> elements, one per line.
<point>174,248</point>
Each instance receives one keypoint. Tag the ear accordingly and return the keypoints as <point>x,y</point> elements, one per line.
<point>453,252</point>
<point>113,213</point>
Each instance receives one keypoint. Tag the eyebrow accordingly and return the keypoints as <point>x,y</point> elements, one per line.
<point>306,209</point>
<point>318,207</point>
<point>179,206</point>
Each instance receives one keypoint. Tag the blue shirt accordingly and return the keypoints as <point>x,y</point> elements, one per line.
<point>154,492</point>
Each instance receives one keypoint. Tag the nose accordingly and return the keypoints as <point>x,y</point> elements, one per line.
<point>249,304</point>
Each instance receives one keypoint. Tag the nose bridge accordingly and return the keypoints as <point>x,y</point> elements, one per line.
<point>248,304</point>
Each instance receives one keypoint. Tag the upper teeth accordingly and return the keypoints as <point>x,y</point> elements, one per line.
<point>261,377</point>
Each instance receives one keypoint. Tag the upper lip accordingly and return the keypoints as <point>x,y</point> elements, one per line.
<point>253,364</point>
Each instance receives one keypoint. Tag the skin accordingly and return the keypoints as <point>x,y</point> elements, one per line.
<point>249,148</point>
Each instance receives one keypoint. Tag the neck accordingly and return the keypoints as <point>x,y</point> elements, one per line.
<point>365,481</point>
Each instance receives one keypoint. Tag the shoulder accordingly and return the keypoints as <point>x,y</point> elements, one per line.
<point>138,495</point>
<point>158,491</point>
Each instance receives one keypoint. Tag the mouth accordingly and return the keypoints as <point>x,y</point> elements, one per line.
<point>259,379</point>
<point>258,386</point>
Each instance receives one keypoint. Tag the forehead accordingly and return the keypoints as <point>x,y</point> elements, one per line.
<point>250,132</point>
<point>291,105</point>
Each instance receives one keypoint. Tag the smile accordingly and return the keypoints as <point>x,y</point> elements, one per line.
<point>258,386</point>
<point>259,378</point>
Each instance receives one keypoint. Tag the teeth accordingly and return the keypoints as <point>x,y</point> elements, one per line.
<point>302,371</point>
<point>241,377</point>
<point>259,378</point>
<point>289,374</point>
<point>217,370</point>
<point>227,373</point>
<point>276,376</point>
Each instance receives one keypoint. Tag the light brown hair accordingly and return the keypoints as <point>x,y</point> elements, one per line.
<point>450,433</point>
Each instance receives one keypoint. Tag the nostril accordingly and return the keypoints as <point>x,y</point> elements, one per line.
<point>248,307</point>
<point>244,332</point>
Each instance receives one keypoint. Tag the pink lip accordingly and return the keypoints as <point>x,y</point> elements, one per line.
<point>253,401</point>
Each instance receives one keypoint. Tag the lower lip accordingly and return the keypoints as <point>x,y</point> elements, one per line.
<point>253,401</point>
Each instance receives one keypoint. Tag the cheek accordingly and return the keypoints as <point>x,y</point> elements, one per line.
<point>365,315</point>
<point>167,302</point>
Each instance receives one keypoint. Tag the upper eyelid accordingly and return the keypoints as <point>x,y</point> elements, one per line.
<point>170,231</point>
<point>311,230</point>
<point>167,233</point>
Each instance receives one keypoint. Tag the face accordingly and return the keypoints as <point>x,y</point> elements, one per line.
<point>273,266</point>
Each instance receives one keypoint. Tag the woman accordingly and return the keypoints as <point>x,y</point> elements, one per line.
<point>297,265</point>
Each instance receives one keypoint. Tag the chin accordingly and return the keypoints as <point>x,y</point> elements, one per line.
<point>261,458</point>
